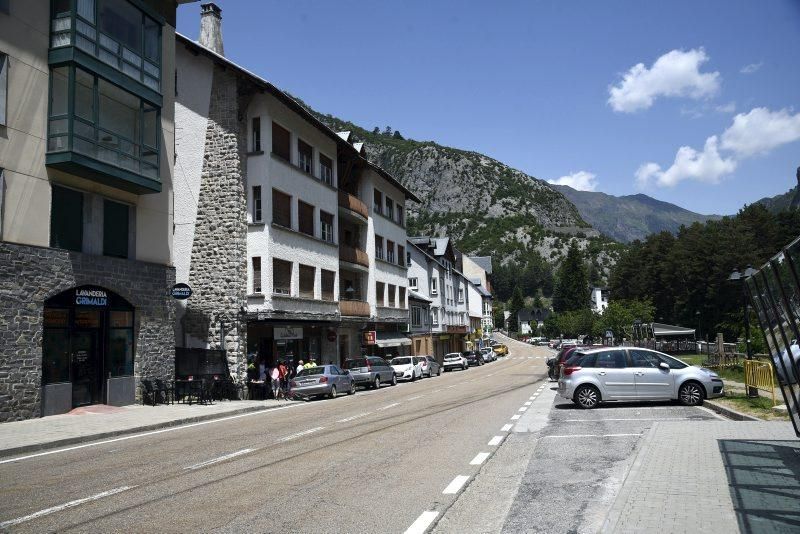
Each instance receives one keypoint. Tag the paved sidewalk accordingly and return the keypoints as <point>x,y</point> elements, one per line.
<point>712,476</point>
<point>101,421</point>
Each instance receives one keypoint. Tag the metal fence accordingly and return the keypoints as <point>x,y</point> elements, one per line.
<point>774,291</point>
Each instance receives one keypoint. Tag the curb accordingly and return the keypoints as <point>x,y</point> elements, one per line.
<point>14,451</point>
<point>729,412</point>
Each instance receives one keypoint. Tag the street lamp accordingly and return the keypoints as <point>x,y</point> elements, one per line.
<point>742,277</point>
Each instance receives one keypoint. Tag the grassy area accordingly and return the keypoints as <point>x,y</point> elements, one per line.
<point>735,373</point>
<point>759,406</point>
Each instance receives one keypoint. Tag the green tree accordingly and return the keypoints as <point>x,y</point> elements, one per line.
<point>387,131</point>
<point>516,303</point>
<point>397,135</point>
<point>537,302</point>
<point>376,131</point>
<point>498,315</point>
<point>572,286</point>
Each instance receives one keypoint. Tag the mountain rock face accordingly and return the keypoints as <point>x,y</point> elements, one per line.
<point>629,217</point>
<point>780,202</point>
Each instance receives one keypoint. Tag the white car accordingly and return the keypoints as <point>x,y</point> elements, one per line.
<point>455,360</point>
<point>407,367</point>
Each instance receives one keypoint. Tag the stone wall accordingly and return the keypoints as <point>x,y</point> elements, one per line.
<point>218,268</point>
<point>30,275</point>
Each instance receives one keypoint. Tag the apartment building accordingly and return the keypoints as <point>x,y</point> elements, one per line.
<point>479,270</point>
<point>424,277</point>
<point>86,183</point>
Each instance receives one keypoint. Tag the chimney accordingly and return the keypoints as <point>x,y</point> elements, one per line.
<point>211,27</point>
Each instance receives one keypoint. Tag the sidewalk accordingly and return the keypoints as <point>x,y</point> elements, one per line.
<point>102,421</point>
<point>720,476</point>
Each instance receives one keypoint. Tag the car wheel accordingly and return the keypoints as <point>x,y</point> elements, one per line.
<point>551,373</point>
<point>377,383</point>
<point>463,367</point>
<point>691,394</point>
<point>394,380</point>
<point>413,376</point>
<point>352,389</point>
<point>332,394</point>
<point>587,397</point>
<point>439,372</point>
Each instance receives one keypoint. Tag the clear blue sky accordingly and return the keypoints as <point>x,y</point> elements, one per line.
<point>528,83</point>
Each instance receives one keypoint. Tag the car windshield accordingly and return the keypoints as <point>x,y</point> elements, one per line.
<point>357,362</point>
<point>401,361</point>
<point>319,370</point>
<point>452,355</point>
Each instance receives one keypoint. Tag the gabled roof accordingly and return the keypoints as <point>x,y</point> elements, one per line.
<point>484,262</point>
<point>531,314</point>
<point>345,135</point>
<point>482,291</point>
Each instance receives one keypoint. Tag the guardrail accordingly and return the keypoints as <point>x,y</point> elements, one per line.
<point>760,375</point>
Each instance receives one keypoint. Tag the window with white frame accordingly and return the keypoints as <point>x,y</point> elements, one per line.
<point>412,283</point>
<point>460,294</point>
<point>435,316</point>
<point>256,134</point>
<point>304,156</point>
<point>256,261</point>
<point>390,289</point>
<point>256,203</point>
<point>326,226</point>
<point>434,286</point>
<point>326,169</point>
<point>281,277</point>
<point>416,316</point>
<point>390,251</point>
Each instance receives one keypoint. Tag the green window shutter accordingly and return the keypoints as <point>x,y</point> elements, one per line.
<point>115,229</point>
<point>66,219</point>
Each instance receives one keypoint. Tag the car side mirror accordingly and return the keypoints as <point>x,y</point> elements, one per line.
<point>664,366</point>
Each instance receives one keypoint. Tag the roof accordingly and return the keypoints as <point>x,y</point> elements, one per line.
<point>418,296</point>
<point>661,329</point>
<point>438,244</point>
<point>530,314</point>
<point>482,291</point>
<point>484,262</point>
<point>342,139</point>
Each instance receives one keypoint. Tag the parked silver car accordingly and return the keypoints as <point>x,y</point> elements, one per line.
<point>455,360</point>
<point>322,380</point>
<point>592,376</point>
<point>488,354</point>
<point>430,366</point>
<point>370,371</point>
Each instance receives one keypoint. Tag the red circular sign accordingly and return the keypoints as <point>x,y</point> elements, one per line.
<point>331,335</point>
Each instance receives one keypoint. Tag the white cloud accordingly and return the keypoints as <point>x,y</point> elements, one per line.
<point>676,73</point>
<point>706,166</point>
<point>760,130</point>
<point>581,180</point>
<point>751,68</point>
<point>730,107</point>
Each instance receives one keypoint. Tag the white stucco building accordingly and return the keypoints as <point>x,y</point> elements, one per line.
<point>599,299</point>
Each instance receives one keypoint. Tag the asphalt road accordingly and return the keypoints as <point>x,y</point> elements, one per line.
<point>379,461</point>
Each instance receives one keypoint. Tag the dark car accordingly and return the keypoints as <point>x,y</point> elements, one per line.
<point>554,364</point>
<point>370,371</point>
<point>473,357</point>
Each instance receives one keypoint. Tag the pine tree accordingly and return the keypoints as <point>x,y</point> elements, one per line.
<point>572,288</point>
<point>376,130</point>
<point>516,303</point>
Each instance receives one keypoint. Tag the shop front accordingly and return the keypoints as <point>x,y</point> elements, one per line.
<point>389,345</point>
<point>87,350</point>
<point>272,342</point>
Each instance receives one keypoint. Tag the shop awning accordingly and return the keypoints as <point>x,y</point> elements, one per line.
<point>392,339</point>
<point>663,330</point>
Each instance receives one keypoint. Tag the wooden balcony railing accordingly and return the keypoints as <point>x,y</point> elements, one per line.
<point>353,255</point>
<point>354,308</point>
<point>349,202</point>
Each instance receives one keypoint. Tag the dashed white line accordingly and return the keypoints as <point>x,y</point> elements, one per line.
<point>497,440</point>
<point>388,406</point>
<point>507,427</point>
<point>528,403</point>
<point>592,436</point>
<point>455,485</point>
<point>532,397</point>
<point>415,398</point>
<point>219,459</point>
<point>71,504</point>
<point>422,523</point>
<point>300,434</point>
<point>522,409</point>
<point>515,417</point>
<point>479,458</point>
<point>354,417</point>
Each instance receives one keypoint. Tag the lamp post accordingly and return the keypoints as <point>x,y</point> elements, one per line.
<point>742,277</point>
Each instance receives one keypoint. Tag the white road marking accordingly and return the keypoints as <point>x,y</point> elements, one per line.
<point>151,433</point>
<point>455,485</point>
<point>592,436</point>
<point>71,504</point>
<point>354,417</point>
<point>532,397</point>
<point>479,458</point>
<point>515,417</point>
<point>300,434</point>
<point>497,440</point>
<point>528,403</point>
<point>415,398</point>
<point>422,523</point>
<point>627,419</point>
<point>219,459</point>
<point>506,428</point>
<point>388,406</point>
<point>522,409</point>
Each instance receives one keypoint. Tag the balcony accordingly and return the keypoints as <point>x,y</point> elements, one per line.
<point>354,308</point>
<point>353,255</point>
<point>352,206</point>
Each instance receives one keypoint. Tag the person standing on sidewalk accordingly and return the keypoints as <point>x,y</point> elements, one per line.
<point>283,373</point>
<point>275,376</point>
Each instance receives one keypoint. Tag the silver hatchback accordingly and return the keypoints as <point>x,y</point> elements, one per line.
<point>322,380</point>
<point>593,376</point>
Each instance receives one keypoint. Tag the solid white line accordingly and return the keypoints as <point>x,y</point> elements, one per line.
<point>515,417</point>
<point>479,458</point>
<point>497,440</point>
<point>388,406</point>
<point>151,433</point>
<point>455,485</point>
<point>592,436</point>
<point>219,459</point>
<point>422,523</point>
<point>299,434</point>
<point>354,417</point>
<point>506,428</point>
<point>522,409</point>
<point>626,419</point>
<point>71,504</point>
<point>528,403</point>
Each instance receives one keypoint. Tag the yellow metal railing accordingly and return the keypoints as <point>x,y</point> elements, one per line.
<point>760,375</point>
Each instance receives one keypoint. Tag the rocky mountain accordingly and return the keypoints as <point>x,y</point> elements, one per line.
<point>779,202</point>
<point>630,217</point>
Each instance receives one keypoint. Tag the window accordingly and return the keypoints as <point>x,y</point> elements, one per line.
<point>256,134</point>
<point>379,247</point>
<point>328,279</point>
<point>643,358</point>
<point>281,142</point>
<point>281,209</point>
<point>304,156</point>
<point>389,208</point>
<point>256,274</point>
<point>326,169</point>
<point>408,259</point>
<point>326,226</point>
<point>412,283</point>
<point>434,286</point>
<point>460,294</point>
<point>390,251</point>
<point>416,316</point>
<point>379,293</point>
<point>391,290</point>
<point>613,359</point>
<point>305,217</point>
<point>401,255</point>
<point>377,201</point>
<point>66,219</point>
<point>307,275</point>
<point>435,316</point>
<point>400,218</point>
<point>3,87</point>
<point>2,197</point>
<point>401,300</point>
<point>256,203</point>
<point>115,229</point>
<point>281,277</point>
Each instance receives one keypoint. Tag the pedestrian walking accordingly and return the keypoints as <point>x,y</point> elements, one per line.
<point>283,373</point>
<point>275,376</point>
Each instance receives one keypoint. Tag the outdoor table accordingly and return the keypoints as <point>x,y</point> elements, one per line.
<point>189,389</point>
<point>256,388</point>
